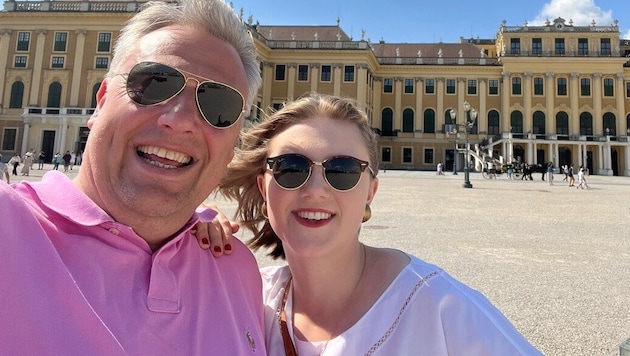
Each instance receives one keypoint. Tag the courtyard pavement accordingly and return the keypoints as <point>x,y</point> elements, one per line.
<point>555,260</point>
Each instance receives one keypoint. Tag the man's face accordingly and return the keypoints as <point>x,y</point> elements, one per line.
<point>163,160</point>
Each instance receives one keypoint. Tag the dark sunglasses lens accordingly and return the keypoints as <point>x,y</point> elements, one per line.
<point>291,171</point>
<point>151,83</point>
<point>343,173</point>
<point>220,105</point>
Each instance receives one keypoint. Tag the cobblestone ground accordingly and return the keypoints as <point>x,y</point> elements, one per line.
<point>554,259</point>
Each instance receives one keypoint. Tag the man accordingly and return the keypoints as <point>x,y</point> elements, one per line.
<point>106,263</point>
<point>40,159</point>
<point>15,163</point>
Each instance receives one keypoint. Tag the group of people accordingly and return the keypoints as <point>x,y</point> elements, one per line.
<point>26,161</point>
<point>124,270</point>
<point>569,176</point>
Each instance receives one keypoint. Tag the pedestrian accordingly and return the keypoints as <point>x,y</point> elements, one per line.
<point>570,175</point>
<point>565,172</point>
<point>15,163</point>
<point>28,162</point>
<point>41,158</point>
<point>56,161</point>
<point>550,172</point>
<point>66,160</point>
<point>510,170</point>
<point>440,168</point>
<point>73,158</point>
<point>304,179</point>
<point>4,170</point>
<point>106,264</point>
<point>582,184</point>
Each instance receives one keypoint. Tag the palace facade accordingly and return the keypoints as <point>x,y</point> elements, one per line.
<point>557,92</point>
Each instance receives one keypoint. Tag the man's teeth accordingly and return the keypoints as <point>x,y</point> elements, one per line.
<point>314,215</point>
<point>164,153</point>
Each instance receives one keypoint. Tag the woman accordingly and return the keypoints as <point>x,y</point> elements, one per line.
<point>307,174</point>
<point>28,162</point>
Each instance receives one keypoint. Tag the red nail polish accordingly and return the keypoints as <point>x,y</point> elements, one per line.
<point>228,247</point>
<point>205,241</point>
<point>217,249</point>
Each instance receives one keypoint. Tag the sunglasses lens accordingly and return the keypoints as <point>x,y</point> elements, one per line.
<point>151,83</point>
<point>220,105</point>
<point>290,171</point>
<point>343,173</point>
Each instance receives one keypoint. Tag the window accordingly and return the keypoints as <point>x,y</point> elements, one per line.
<point>515,46</point>
<point>17,95</point>
<point>61,40</point>
<point>516,122</point>
<point>450,86</point>
<point>386,154</point>
<point>516,86</point>
<point>562,86</point>
<point>559,47</point>
<point>429,121</point>
<point>23,42</point>
<point>429,86</point>
<point>428,155</point>
<point>493,87</point>
<point>302,73</point>
<point>472,87</point>
<point>539,86</point>
<point>388,85</point>
<point>387,122</point>
<point>54,95</point>
<point>326,73</point>
<point>585,87</point>
<point>408,86</point>
<point>539,123</point>
<point>57,62</point>
<point>605,46</point>
<point>407,155</point>
<point>562,123</point>
<point>537,46</point>
<point>104,42</point>
<point>20,62</point>
<point>583,46</point>
<point>9,139</point>
<point>280,71</point>
<point>407,120</point>
<point>493,122</point>
<point>102,63</point>
<point>609,87</point>
<point>586,124</point>
<point>348,73</point>
<point>627,89</point>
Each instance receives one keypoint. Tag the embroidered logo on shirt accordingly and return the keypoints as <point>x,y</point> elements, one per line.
<point>250,340</point>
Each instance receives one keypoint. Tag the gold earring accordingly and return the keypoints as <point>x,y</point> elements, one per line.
<point>367,214</point>
<point>263,210</point>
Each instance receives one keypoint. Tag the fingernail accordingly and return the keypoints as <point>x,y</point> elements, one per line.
<point>217,249</point>
<point>228,247</point>
<point>205,241</point>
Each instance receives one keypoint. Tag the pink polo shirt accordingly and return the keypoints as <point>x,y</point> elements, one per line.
<point>75,282</point>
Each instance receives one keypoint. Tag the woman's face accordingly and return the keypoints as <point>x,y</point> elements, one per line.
<point>316,218</point>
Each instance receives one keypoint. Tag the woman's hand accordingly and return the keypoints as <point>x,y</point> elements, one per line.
<point>216,234</point>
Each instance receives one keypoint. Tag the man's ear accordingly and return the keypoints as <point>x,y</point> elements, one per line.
<point>101,94</point>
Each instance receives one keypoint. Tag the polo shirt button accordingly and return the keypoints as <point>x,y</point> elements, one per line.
<point>114,231</point>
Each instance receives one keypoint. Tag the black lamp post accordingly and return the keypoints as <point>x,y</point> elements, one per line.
<point>470,115</point>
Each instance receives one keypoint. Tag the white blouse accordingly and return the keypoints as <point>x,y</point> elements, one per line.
<point>424,311</point>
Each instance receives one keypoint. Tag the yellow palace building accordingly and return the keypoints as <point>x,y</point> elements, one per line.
<point>552,93</point>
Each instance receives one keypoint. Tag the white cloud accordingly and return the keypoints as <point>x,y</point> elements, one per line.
<point>582,12</point>
<point>626,36</point>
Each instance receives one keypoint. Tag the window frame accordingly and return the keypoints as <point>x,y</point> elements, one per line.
<point>517,86</point>
<point>493,83</point>
<point>406,152</point>
<point>60,38</point>
<point>608,85</point>
<point>100,42</point>
<point>54,59</point>
<point>584,86</point>
<point>559,47</point>
<point>20,42</point>
<point>427,86</point>
<point>280,72</point>
<point>537,46</point>
<point>97,59</point>
<point>539,86</point>
<point>562,86</point>
<point>426,152</point>
<point>302,73</point>
<point>5,146</point>
<point>348,74</point>
<point>451,86</point>
<point>409,86</point>
<point>471,86</point>
<point>388,85</point>
<point>326,71</point>
<point>15,61</point>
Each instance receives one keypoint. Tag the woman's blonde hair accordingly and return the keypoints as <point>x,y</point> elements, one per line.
<point>249,161</point>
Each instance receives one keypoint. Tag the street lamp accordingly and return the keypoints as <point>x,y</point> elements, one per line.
<point>470,115</point>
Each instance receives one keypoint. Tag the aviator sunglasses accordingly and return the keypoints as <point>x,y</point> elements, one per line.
<point>151,83</point>
<point>342,173</point>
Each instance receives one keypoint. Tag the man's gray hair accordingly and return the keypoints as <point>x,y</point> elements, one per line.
<point>214,16</point>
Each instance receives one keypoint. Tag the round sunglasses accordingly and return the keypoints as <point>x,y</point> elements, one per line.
<point>151,83</point>
<point>291,171</point>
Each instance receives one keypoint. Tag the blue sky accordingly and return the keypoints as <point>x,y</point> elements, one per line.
<point>430,21</point>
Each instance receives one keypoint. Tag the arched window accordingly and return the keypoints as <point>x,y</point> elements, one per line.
<point>586,124</point>
<point>95,89</point>
<point>407,120</point>
<point>429,121</point>
<point>54,95</point>
<point>610,123</point>
<point>562,123</point>
<point>539,123</point>
<point>516,122</point>
<point>387,122</point>
<point>493,122</point>
<point>17,95</point>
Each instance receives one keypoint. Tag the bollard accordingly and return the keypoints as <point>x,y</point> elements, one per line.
<point>624,349</point>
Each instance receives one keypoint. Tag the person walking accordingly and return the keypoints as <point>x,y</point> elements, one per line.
<point>570,175</point>
<point>440,168</point>
<point>550,172</point>
<point>66,160</point>
<point>56,161</point>
<point>28,162</point>
<point>41,158</point>
<point>15,163</point>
